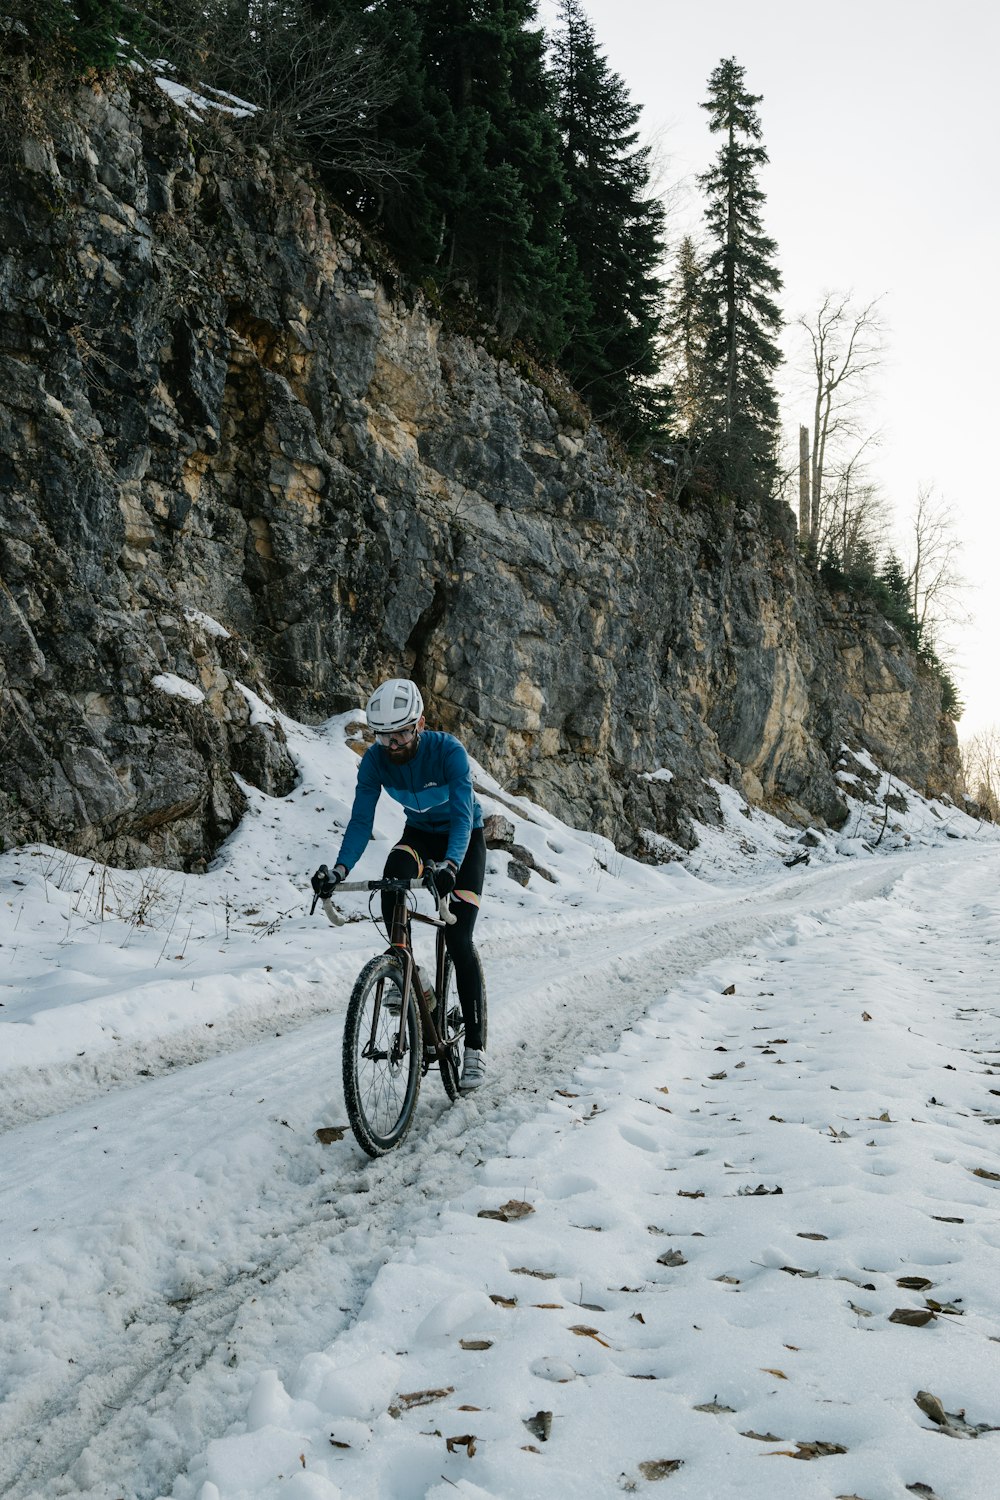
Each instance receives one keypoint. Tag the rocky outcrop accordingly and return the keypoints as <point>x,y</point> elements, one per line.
<point>218,411</point>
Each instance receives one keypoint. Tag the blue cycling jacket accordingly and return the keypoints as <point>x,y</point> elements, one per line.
<point>434,788</point>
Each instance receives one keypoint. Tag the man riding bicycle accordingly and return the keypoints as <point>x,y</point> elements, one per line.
<point>428,773</point>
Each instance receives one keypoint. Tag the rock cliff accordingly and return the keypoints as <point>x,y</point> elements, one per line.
<point>217,409</point>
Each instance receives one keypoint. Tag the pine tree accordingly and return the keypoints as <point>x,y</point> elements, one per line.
<point>412,201</point>
<point>614,231</point>
<point>740,276</point>
<point>898,604</point>
<point>75,38</point>
<point>502,206</point>
<point>686,338</point>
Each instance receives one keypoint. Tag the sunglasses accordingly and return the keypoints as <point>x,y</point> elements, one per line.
<point>396,737</point>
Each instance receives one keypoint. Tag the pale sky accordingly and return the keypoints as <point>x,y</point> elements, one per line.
<point>879,121</point>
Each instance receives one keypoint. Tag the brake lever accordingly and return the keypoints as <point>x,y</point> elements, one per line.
<point>445,912</point>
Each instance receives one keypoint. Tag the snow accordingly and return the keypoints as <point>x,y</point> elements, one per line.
<point>733,1102</point>
<point>198,104</point>
<point>209,625</point>
<point>260,712</point>
<point>178,687</point>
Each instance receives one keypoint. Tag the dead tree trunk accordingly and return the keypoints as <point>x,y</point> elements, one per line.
<point>805,528</point>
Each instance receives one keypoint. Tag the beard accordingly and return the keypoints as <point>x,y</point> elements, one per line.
<point>403,753</point>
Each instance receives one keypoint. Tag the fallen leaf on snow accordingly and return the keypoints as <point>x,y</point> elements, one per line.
<point>761,1437</point>
<point>327,1134</point>
<point>540,1425</point>
<point>514,1209</point>
<point>503,1301</point>
<point>865,1016</point>
<point>671,1258</point>
<point>950,1423</point>
<point>798,1271</point>
<point>807,1234</point>
<point>714,1407</point>
<point>779,1374</point>
<point>476,1343</point>
<point>662,1468</point>
<point>408,1399</point>
<point>944,1307</point>
<point>812,1450</point>
<point>914,1283</point>
<point>467,1441</point>
<point>931,1406</point>
<point>697,1194</point>
<point>589,1333</point>
<point>527,1271</point>
<point>912,1317</point>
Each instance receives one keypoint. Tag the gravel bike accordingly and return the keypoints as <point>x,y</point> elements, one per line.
<point>398,1025</point>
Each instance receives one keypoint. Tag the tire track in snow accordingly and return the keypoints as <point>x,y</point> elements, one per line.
<point>162,1382</point>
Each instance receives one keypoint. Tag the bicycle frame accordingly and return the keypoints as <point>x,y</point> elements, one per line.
<point>401,946</point>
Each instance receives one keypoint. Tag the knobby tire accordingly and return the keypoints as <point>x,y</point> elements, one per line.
<point>380,1092</point>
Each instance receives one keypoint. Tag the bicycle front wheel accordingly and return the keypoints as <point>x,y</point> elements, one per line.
<point>381,1078</point>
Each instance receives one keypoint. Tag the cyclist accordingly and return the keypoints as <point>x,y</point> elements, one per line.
<point>428,773</point>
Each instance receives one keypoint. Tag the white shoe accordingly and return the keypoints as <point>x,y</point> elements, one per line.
<point>473,1070</point>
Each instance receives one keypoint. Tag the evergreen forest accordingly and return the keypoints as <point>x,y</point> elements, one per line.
<point>504,171</point>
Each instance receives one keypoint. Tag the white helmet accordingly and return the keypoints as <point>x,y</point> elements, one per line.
<point>393,705</point>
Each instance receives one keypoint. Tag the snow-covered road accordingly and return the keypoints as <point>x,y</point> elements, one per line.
<point>173,1231</point>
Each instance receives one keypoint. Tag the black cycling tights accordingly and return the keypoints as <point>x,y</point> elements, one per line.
<point>415,847</point>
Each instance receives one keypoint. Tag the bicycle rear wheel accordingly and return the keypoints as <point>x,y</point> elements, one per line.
<point>448,1016</point>
<point>381,1083</point>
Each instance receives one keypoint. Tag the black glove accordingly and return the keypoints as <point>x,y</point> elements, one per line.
<point>324,882</point>
<point>444,880</point>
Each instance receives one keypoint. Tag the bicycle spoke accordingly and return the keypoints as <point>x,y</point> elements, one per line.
<point>380,1082</point>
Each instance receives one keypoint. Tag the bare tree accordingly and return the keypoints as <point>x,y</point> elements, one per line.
<point>934,579</point>
<point>981,769</point>
<point>315,88</point>
<point>854,522</point>
<point>846,344</point>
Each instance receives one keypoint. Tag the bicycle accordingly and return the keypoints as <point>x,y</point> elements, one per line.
<point>398,1026</point>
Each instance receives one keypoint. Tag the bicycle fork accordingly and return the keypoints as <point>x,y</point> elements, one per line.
<point>402,952</point>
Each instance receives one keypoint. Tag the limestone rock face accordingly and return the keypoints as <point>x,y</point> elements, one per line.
<point>233,454</point>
